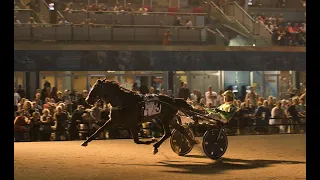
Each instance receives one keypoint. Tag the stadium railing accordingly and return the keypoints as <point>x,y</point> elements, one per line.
<point>108,33</point>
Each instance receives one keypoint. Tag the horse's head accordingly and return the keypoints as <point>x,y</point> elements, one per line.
<point>96,92</point>
<point>104,90</point>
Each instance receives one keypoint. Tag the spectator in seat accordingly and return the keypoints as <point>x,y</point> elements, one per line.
<point>16,100</point>
<point>68,8</point>
<point>202,102</point>
<point>32,22</point>
<point>82,101</point>
<point>151,90</point>
<point>189,23</point>
<point>116,7</point>
<point>143,10</point>
<point>284,104</point>
<point>220,98</point>
<point>45,93</point>
<point>211,97</point>
<point>184,92</point>
<point>252,97</point>
<point>34,127</point>
<point>86,22</point>
<point>38,100</point>
<point>135,87</point>
<point>163,92</point>
<point>270,26</point>
<point>83,7</point>
<point>99,9</point>
<point>47,104</point>
<point>59,97</point>
<point>277,115</point>
<point>296,28</point>
<point>35,107</point>
<point>66,96</point>
<point>27,106</point>
<point>76,116</point>
<point>301,107</point>
<point>60,117</point>
<point>96,110</point>
<point>129,8</point>
<point>19,126</point>
<point>16,21</point>
<point>144,89</point>
<point>45,129</point>
<point>21,103</point>
<point>260,99</point>
<point>293,113</point>
<point>21,92</point>
<point>193,96</point>
<point>64,109</point>
<point>63,21</point>
<point>178,22</point>
<point>262,114</point>
<point>54,94</point>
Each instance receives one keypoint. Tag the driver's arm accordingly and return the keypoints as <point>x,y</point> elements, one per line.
<point>229,114</point>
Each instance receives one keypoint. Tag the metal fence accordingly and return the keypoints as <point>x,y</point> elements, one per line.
<point>112,33</point>
<point>133,18</point>
<point>147,132</point>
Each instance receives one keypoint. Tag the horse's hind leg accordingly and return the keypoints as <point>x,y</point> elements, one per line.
<point>135,136</point>
<point>182,130</point>
<point>167,134</point>
<point>95,134</point>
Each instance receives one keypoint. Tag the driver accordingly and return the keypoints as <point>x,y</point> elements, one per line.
<point>225,111</point>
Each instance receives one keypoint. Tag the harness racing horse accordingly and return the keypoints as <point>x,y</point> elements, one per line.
<point>129,109</point>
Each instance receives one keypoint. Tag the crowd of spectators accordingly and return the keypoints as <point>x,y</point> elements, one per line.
<point>255,110</point>
<point>55,115</point>
<point>284,32</point>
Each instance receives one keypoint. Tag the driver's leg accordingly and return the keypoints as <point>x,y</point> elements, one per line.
<point>217,116</point>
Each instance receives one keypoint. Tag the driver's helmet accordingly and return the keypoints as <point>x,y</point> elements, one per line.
<point>229,94</point>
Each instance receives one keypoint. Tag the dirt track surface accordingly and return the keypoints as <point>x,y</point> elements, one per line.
<point>247,157</point>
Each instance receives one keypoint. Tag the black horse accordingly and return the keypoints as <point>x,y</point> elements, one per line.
<point>128,110</point>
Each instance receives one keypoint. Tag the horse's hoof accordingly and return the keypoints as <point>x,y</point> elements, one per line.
<point>85,144</point>
<point>155,151</point>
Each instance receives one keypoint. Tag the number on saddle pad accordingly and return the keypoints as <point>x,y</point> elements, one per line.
<point>152,106</point>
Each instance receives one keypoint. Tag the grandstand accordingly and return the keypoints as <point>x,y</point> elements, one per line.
<point>264,23</point>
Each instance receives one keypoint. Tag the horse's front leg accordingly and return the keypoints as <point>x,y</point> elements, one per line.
<point>135,136</point>
<point>95,134</point>
<point>166,135</point>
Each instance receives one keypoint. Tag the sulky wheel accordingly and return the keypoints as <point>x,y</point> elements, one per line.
<point>179,144</point>
<point>212,148</point>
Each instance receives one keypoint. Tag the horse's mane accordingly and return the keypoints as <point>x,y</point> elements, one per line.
<point>117,85</point>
